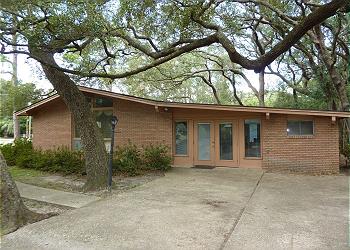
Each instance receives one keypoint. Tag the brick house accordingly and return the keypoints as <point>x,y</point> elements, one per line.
<point>273,139</point>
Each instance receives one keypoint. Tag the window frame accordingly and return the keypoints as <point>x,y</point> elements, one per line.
<point>261,142</point>
<point>93,109</point>
<point>187,134</point>
<point>301,135</point>
<point>232,140</point>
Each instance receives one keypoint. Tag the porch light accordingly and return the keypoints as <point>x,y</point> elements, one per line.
<point>114,121</point>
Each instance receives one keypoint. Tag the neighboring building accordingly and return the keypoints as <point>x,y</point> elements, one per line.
<point>201,134</point>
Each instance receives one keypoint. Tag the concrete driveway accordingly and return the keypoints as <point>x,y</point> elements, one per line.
<point>204,209</point>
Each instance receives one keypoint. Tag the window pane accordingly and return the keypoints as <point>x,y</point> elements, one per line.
<point>252,138</point>
<point>203,141</point>
<point>76,132</point>
<point>225,135</point>
<point>104,122</point>
<point>181,138</point>
<point>76,144</point>
<point>300,127</point>
<point>307,127</point>
<point>103,102</point>
<point>293,128</point>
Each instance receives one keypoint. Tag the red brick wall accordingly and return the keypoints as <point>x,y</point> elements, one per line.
<point>318,154</point>
<point>142,124</point>
<point>139,123</point>
<point>52,126</point>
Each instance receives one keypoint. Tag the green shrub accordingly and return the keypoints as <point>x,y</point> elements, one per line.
<point>156,157</point>
<point>346,150</point>
<point>20,152</point>
<point>8,152</point>
<point>61,160</point>
<point>127,159</point>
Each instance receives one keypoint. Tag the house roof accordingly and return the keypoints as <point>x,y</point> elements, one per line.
<point>267,110</point>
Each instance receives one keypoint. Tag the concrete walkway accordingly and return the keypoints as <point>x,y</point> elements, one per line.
<point>204,209</point>
<point>54,196</point>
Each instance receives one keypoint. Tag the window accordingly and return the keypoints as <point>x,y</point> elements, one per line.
<point>252,138</point>
<point>77,144</point>
<point>181,138</point>
<point>295,127</point>
<point>225,136</point>
<point>104,122</point>
<point>103,102</point>
<point>103,112</point>
<point>204,141</point>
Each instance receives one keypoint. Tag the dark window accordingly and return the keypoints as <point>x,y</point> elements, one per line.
<point>295,127</point>
<point>103,102</point>
<point>181,138</point>
<point>225,135</point>
<point>104,122</point>
<point>252,138</point>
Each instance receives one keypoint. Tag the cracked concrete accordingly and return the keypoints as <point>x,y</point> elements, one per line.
<point>204,209</point>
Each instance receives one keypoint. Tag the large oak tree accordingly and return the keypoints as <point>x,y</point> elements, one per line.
<point>104,34</point>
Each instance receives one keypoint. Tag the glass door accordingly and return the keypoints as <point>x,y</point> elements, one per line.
<point>204,143</point>
<point>226,143</point>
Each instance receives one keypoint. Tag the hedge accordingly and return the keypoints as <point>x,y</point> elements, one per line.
<point>128,159</point>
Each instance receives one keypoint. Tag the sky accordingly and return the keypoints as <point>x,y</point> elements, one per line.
<point>30,71</point>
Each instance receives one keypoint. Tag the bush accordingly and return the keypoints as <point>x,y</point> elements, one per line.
<point>20,151</point>
<point>346,151</point>
<point>24,153</point>
<point>62,160</point>
<point>8,153</point>
<point>127,159</point>
<point>156,157</point>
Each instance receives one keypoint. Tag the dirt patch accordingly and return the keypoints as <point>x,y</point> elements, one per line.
<point>69,183</point>
<point>75,183</point>
<point>44,207</point>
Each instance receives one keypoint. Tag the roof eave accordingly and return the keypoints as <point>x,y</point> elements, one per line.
<point>24,111</point>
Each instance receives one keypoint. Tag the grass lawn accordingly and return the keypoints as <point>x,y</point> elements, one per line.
<point>45,179</point>
<point>24,175</point>
<point>74,183</point>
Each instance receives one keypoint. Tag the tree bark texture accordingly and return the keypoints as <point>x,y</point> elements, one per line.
<point>329,61</point>
<point>91,137</point>
<point>14,214</point>
<point>261,95</point>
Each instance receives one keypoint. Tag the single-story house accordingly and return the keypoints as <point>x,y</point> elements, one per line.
<point>273,139</point>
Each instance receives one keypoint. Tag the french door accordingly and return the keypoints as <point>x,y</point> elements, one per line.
<point>226,143</point>
<point>204,143</point>
<point>215,143</point>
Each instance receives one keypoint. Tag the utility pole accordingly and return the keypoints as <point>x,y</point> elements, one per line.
<point>14,79</point>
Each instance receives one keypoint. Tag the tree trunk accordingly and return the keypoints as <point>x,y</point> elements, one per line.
<point>14,62</point>
<point>330,62</point>
<point>295,98</point>
<point>14,213</point>
<point>261,96</point>
<point>91,138</point>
